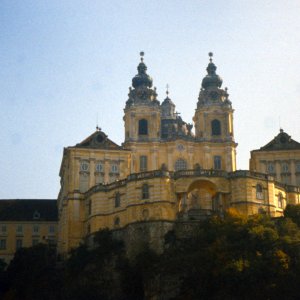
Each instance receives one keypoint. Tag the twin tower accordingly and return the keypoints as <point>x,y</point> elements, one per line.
<point>159,138</point>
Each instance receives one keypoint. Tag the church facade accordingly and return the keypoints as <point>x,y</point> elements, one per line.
<point>164,172</point>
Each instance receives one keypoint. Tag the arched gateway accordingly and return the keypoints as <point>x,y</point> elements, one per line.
<point>201,199</point>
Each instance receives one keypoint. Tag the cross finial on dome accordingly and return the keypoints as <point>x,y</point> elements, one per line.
<point>142,53</point>
<point>210,54</point>
<point>167,91</point>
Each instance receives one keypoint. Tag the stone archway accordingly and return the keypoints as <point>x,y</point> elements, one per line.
<point>200,199</point>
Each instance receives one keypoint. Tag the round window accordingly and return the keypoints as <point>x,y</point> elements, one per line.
<point>84,166</point>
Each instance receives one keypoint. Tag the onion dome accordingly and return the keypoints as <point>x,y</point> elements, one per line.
<point>211,79</point>
<point>142,78</point>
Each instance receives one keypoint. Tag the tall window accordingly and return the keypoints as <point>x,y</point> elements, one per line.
<point>2,244</point>
<point>145,191</point>
<point>143,127</point>
<point>114,168</point>
<point>36,228</point>
<point>284,167</point>
<point>215,127</point>
<point>180,165</point>
<point>19,244</point>
<point>259,192</point>
<point>3,229</point>
<point>99,167</point>
<point>19,229</point>
<point>35,242</point>
<point>270,168</point>
<point>51,229</point>
<point>280,200</point>
<point>117,200</point>
<point>90,207</point>
<point>117,222</point>
<point>217,162</point>
<point>143,163</point>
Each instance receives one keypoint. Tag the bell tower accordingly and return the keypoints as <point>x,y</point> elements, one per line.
<point>142,110</point>
<point>214,120</point>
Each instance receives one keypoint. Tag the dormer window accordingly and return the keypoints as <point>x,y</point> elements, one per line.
<point>36,215</point>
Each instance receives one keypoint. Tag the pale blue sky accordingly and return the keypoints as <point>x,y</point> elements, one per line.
<point>64,62</point>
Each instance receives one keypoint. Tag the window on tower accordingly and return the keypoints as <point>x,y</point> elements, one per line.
<point>215,127</point>
<point>143,127</point>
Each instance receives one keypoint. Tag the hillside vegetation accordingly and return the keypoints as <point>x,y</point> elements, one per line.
<point>234,257</point>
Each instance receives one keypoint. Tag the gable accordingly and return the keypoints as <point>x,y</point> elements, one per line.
<point>282,141</point>
<point>98,140</point>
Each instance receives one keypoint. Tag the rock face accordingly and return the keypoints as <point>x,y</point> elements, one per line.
<point>137,235</point>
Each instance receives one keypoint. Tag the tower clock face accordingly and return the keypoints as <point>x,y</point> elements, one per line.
<point>214,95</point>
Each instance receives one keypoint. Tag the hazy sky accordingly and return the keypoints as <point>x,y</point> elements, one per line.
<point>63,62</point>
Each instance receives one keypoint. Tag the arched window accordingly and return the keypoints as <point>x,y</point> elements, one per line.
<point>280,200</point>
<point>180,165</point>
<point>259,192</point>
<point>117,200</point>
<point>215,127</point>
<point>145,191</point>
<point>143,127</point>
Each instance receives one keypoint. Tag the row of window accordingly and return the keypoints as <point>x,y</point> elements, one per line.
<point>84,166</point>
<point>180,164</point>
<point>19,243</point>
<point>215,127</point>
<point>284,167</point>
<point>260,195</point>
<point>117,198</point>
<point>19,228</point>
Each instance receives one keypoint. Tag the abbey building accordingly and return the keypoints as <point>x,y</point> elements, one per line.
<point>167,170</point>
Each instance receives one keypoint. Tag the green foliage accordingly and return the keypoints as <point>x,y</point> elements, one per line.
<point>32,274</point>
<point>293,212</point>
<point>227,258</point>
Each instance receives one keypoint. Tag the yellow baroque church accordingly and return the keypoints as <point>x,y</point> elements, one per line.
<point>166,173</point>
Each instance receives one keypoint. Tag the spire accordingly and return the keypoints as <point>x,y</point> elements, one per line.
<point>211,79</point>
<point>142,79</point>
